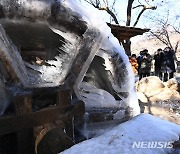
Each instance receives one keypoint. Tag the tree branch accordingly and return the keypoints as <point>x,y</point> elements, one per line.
<point>168,38</point>
<point>177,30</point>
<point>110,13</point>
<point>97,5</point>
<point>138,6</point>
<point>159,38</point>
<point>144,9</point>
<point>90,2</point>
<point>176,46</point>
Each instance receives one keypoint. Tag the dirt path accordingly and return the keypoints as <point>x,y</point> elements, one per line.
<point>167,110</point>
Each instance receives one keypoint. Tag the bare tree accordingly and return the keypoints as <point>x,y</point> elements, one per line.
<point>177,28</point>
<point>144,8</point>
<point>104,5</point>
<point>164,30</point>
<point>127,43</point>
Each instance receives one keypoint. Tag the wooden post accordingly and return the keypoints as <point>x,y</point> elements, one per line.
<point>25,138</point>
<point>64,99</point>
<point>22,123</point>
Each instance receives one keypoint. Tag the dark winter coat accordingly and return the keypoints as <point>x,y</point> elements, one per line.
<point>168,64</point>
<point>158,61</point>
<point>139,59</point>
<point>145,64</point>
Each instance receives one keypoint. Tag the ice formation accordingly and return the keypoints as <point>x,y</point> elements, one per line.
<point>68,37</point>
<point>143,128</point>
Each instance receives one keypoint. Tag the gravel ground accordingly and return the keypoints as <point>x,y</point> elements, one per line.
<point>167,110</point>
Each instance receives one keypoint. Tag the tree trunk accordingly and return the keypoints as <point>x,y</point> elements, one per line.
<point>127,43</point>
<point>129,10</point>
<point>127,46</point>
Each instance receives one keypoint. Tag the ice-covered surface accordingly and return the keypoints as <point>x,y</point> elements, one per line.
<point>116,62</point>
<point>97,98</point>
<point>71,19</point>
<point>121,75</point>
<point>144,127</point>
<point>12,55</point>
<point>52,14</point>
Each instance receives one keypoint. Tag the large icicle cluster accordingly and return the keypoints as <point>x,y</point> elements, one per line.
<point>84,36</point>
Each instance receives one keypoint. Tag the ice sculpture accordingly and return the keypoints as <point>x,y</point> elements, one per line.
<point>48,43</point>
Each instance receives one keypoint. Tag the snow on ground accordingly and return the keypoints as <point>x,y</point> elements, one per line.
<point>119,140</point>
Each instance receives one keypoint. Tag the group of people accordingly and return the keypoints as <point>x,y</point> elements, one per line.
<point>164,66</point>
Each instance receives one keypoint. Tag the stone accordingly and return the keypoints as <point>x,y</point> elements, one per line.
<point>172,84</point>
<point>166,94</point>
<point>142,97</point>
<point>153,89</point>
<point>149,83</point>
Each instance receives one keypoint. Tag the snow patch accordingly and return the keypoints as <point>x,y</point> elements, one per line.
<point>144,127</point>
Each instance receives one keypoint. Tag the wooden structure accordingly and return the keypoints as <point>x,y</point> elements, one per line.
<point>125,32</point>
<point>31,126</point>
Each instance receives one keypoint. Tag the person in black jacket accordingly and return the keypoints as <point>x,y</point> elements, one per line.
<point>158,62</point>
<point>168,65</point>
<point>139,59</point>
<point>145,64</point>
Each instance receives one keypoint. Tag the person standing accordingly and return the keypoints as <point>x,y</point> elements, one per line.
<point>158,62</point>
<point>145,65</point>
<point>168,65</point>
<point>134,63</point>
<point>139,59</point>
